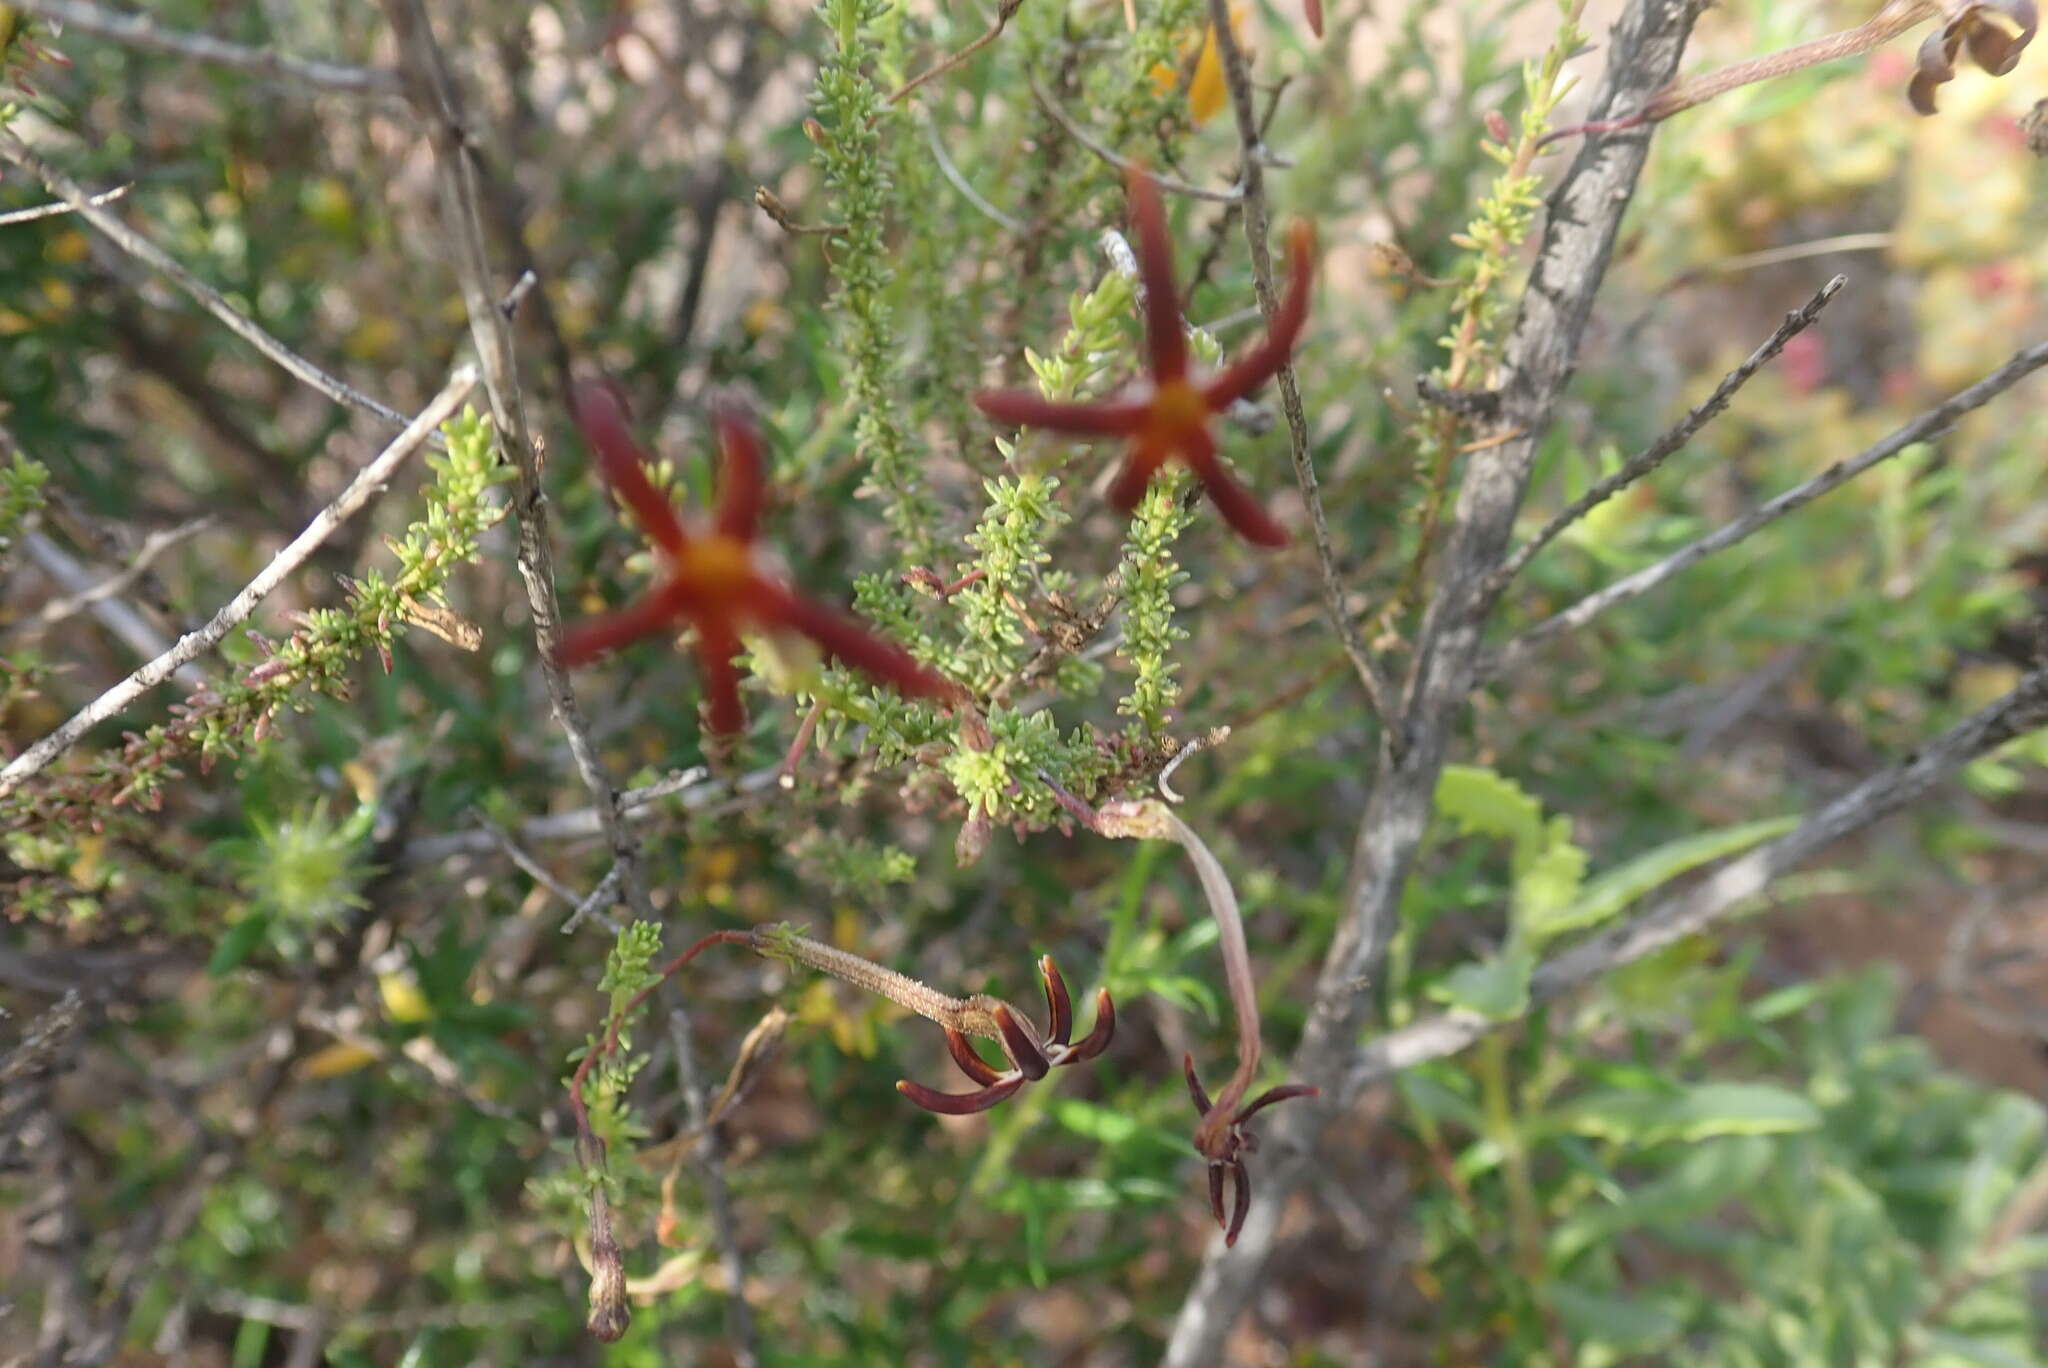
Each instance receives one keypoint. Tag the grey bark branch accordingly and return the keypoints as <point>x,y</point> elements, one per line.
<point>433,94</point>
<point>368,482</point>
<point>1585,216</point>
<point>1665,447</point>
<point>142,32</point>
<point>1924,428</point>
<point>1671,919</point>
<point>1238,77</point>
<point>208,298</point>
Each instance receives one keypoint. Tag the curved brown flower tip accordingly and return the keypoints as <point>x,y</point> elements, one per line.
<point>1995,32</point>
<point>716,580</point>
<point>1166,415</point>
<point>1224,1142</point>
<point>1031,1057</point>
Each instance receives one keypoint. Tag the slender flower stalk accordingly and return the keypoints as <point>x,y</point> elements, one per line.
<point>1166,415</point>
<point>1222,1135</point>
<point>1994,32</point>
<point>1031,1054</point>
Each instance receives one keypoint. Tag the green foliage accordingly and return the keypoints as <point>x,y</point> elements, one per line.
<point>1722,1154</point>
<point>21,494</point>
<point>851,120</point>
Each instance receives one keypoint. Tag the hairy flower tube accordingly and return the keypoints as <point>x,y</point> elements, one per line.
<point>717,581</point>
<point>1995,34</point>
<point>1167,414</point>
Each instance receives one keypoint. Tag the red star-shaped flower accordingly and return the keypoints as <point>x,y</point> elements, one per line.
<point>717,582</point>
<point>1167,415</point>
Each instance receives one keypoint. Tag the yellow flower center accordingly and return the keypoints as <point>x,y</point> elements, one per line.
<point>717,565</point>
<point>1177,407</point>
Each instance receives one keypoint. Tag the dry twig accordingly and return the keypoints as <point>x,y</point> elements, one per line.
<point>367,484</point>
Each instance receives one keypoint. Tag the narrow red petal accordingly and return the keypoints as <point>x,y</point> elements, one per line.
<point>1263,360</point>
<point>1135,476</point>
<point>1282,1093</point>
<point>1199,1094</point>
<point>723,711</point>
<point>1216,1191</point>
<point>1097,1040</point>
<point>1246,516</point>
<point>971,1064</point>
<point>583,642</point>
<point>1028,408</point>
<point>1019,1044</point>
<point>742,477</point>
<point>602,417</point>
<point>1314,9</point>
<point>958,1104</point>
<point>1244,1203</point>
<point>1058,1006</point>
<point>853,644</point>
<point>1164,335</point>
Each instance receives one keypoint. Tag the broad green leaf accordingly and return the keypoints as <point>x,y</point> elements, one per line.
<point>1496,988</point>
<point>1702,1112</point>
<point>1113,1127</point>
<point>1610,893</point>
<point>238,944</point>
<point>1707,1176</point>
<point>1964,1351</point>
<point>1604,1320</point>
<point>1483,803</point>
<point>1550,883</point>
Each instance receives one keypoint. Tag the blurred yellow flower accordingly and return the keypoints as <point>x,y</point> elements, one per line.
<point>1207,90</point>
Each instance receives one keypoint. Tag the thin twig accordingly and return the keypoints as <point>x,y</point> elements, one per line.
<point>208,298</point>
<point>533,868</point>
<point>959,182</point>
<point>432,92</point>
<point>739,1314</point>
<point>1728,889</point>
<point>1668,445</point>
<point>770,203</point>
<point>136,632</point>
<point>1238,77</point>
<point>1924,428</point>
<point>366,485</point>
<point>143,32</point>
<point>80,597</point>
<point>43,211</point>
<point>596,902</point>
<point>1578,241</point>
<point>694,789</point>
<point>1005,11</point>
<point>1170,184</point>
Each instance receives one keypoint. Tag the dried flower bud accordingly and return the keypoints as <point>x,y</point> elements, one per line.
<point>1995,33</point>
<point>972,841</point>
<point>1497,126</point>
<point>609,1312</point>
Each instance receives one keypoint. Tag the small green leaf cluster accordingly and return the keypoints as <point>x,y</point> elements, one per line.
<point>21,495</point>
<point>1001,782</point>
<point>1550,894</point>
<point>1150,575</point>
<point>850,121</point>
<point>629,967</point>
<point>849,866</point>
